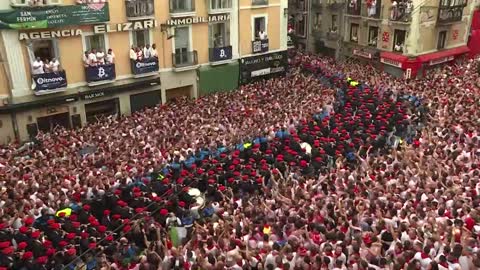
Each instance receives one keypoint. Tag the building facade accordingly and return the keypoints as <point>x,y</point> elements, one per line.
<point>69,62</point>
<point>407,38</point>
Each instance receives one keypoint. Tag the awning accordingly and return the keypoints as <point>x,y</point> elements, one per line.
<point>393,59</point>
<point>442,56</point>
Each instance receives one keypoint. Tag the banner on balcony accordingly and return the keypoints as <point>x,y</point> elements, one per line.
<point>221,53</point>
<point>53,16</point>
<point>148,65</point>
<point>263,66</point>
<point>260,46</point>
<point>49,82</point>
<point>100,73</point>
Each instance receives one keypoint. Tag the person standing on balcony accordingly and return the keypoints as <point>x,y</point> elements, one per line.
<point>147,53</point>
<point>394,11</point>
<point>133,54</point>
<point>372,8</point>
<point>92,57</point>
<point>262,34</point>
<point>100,57</point>
<point>38,66</point>
<point>54,65</point>
<point>110,58</point>
<point>154,51</point>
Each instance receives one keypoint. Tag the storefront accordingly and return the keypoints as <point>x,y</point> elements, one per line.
<point>102,109</point>
<point>218,78</point>
<point>179,92</point>
<point>431,60</point>
<point>263,66</point>
<point>145,100</point>
<point>394,64</point>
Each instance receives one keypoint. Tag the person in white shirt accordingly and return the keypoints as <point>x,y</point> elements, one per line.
<point>147,53</point>
<point>262,34</point>
<point>110,58</point>
<point>85,58</point>
<point>153,51</point>
<point>133,54</point>
<point>54,65</point>
<point>100,57</point>
<point>92,58</point>
<point>38,66</point>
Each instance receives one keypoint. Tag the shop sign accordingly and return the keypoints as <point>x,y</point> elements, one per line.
<point>221,53</point>
<point>123,27</point>
<point>49,82</point>
<point>260,46</point>
<point>54,16</point>
<point>195,20</point>
<point>144,66</point>
<point>256,67</point>
<point>391,62</point>
<point>93,95</point>
<point>440,60</point>
<point>100,73</point>
<point>49,34</point>
<point>362,53</point>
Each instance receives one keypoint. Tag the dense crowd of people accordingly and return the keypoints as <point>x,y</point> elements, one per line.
<point>336,166</point>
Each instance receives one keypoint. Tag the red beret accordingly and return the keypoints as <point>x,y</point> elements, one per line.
<point>86,207</point>
<point>71,251</point>
<point>116,216</point>
<point>35,234</point>
<point>109,237</point>
<point>181,204</point>
<point>73,217</point>
<point>55,226</point>
<point>139,210</point>
<point>5,244</point>
<point>22,245</point>
<point>23,229</point>
<point>62,243</point>
<point>84,235</point>
<point>47,243</point>
<point>28,221</point>
<point>92,245</point>
<point>126,228</point>
<point>231,180</point>
<point>42,260</point>
<point>70,236</point>
<point>211,181</point>
<point>163,212</point>
<point>8,250</point>
<point>102,229</point>
<point>50,252</point>
<point>221,188</point>
<point>180,181</point>
<point>27,255</point>
<point>106,212</point>
<point>76,224</point>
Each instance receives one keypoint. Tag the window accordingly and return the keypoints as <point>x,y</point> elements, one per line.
<point>354,32</point>
<point>301,25</point>
<point>334,27</point>
<point>301,5</point>
<point>35,2</point>
<point>399,40</point>
<point>179,6</point>
<point>220,4</point>
<point>219,35</point>
<point>182,44</point>
<point>260,28</point>
<point>317,21</point>
<point>96,42</point>
<point>45,51</point>
<point>442,38</point>
<point>140,38</point>
<point>372,36</point>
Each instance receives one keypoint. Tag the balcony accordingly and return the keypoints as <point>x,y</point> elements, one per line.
<point>39,3</point>
<point>372,12</point>
<point>219,6</point>
<point>335,4</point>
<point>219,54</point>
<point>259,3</point>
<point>260,46</point>
<point>139,9</point>
<point>184,59</point>
<point>332,35</point>
<point>145,67</point>
<point>100,74</point>
<point>448,15</point>
<point>182,8</point>
<point>50,82</point>
<point>402,13</point>
<point>354,8</point>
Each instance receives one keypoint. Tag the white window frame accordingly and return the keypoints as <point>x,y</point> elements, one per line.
<point>227,24</point>
<point>445,41</point>
<point>150,36</point>
<point>88,34</point>
<point>219,10</point>
<point>190,39</point>
<point>31,53</point>
<point>252,26</point>
<point>27,3</point>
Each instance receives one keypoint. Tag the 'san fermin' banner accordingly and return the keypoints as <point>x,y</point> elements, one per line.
<point>54,16</point>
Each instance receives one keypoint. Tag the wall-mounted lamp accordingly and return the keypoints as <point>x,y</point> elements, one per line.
<point>165,28</point>
<point>285,12</point>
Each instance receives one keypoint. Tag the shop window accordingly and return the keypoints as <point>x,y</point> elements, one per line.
<point>399,41</point>
<point>301,26</point>
<point>43,56</point>
<point>372,36</point>
<point>219,35</point>
<point>442,39</point>
<point>140,38</point>
<point>354,32</point>
<point>260,28</point>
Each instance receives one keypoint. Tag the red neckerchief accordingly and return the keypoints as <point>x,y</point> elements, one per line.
<point>337,254</point>
<point>424,255</point>
<point>444,264</point>
<point>329,254</point>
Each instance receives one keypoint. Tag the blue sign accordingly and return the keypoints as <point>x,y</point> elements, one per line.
<point>48,82</point>
<point>100,73</point>
<point>220,53</point>
<point>144,66</point>
<point>260,46</point>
